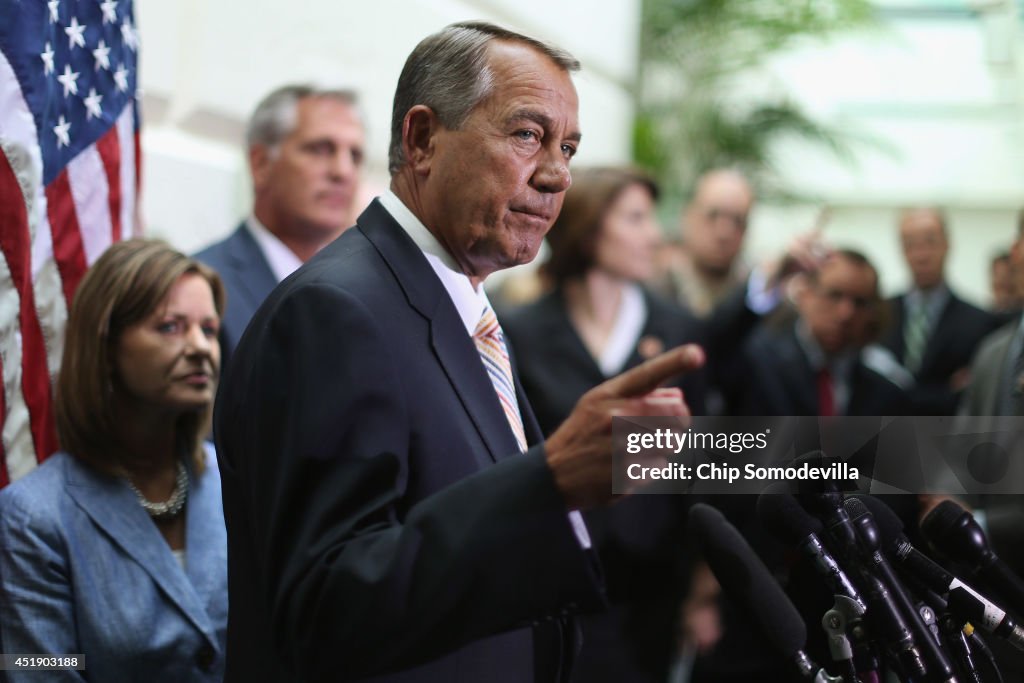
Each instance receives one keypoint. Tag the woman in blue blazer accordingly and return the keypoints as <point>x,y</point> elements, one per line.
<point>115,547</point>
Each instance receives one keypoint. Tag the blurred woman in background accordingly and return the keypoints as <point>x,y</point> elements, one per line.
<point>597,321</point>
<point>115,547</point>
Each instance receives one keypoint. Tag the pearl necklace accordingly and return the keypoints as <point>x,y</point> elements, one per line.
<point>173,506</point>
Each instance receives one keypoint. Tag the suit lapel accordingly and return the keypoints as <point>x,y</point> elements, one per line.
<point>530,425</point>
<point>454,349</point>
<point>206,558</point>
<point>794,368</point>
<point>895,334</point>
<point>253,278</point>
<point>564,336</point>
<point>113,508</point>
<point>939,334</point>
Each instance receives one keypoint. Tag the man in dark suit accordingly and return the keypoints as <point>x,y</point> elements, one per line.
<point>932,332</point>
<point>816,367</point>
<point>305,149</point>
<point>997,370</point>
<point>810,366</point>
<point>391,510</point>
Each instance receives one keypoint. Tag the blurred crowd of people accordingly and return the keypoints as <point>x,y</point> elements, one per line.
<point>116,547</point>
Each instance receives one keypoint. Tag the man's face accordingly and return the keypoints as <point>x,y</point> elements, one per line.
<point>924,247</point>
<point>1002,284</point>
<point>839,308</point>
<point>306,185</point>
<point>716,221</point>
<point>495,186</point>
<point>1017,266</point>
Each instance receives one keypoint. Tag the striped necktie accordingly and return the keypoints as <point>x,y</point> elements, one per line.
<point>915,336</point>
<point>490,343</point>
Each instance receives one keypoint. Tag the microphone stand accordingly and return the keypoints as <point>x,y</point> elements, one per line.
<point>978,644</point>
<point>887,622</point>
<point>953,634</point>
<point>844,612</point>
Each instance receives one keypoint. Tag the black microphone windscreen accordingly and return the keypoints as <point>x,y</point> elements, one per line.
<point>855,508</point>
<point>785,518</point>
<point>747,581</point>
<point>941,519</point>
<point>890,526</point>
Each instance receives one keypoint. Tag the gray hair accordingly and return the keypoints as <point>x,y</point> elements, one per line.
<point>448,72</point>
<point>275,116</point>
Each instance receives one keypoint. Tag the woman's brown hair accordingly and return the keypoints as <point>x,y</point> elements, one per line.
<point>573,237</point>
<point>123,287</point>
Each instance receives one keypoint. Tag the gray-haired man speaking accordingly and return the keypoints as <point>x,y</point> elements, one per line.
<point>392,511</point>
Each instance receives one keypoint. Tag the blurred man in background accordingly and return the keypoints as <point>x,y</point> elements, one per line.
<point>715,223</point>
<point>1005,298</point>
<point>305,149</point>
<point>816,367</point>
<point>932,332</point>
<point>997,371</point>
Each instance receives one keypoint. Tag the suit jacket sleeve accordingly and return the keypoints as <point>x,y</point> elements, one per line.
<point>357,579</point>
<point>36,605</point>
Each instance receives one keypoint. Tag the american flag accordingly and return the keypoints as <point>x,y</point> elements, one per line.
<point>69,177</point>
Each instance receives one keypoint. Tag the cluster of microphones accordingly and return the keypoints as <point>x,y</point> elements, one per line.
<point>896,611</point>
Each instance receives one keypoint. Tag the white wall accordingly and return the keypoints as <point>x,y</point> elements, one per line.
<point>939,98</point>
<point>205,65</point>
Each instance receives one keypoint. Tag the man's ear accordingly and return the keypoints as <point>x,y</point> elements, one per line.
<point>260,160</point>
<point>419,137</point>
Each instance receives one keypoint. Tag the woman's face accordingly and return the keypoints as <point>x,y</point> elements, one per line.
<point>170,361</point>
<point>629,237</point>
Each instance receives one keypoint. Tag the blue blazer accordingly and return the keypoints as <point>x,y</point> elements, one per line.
<point>84,570</point>
<point>247,278</point>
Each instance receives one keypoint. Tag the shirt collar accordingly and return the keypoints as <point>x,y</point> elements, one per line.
<point>839,365</point>
<point>469,302</point>
<point>934,299</point>
<point>282,260</point>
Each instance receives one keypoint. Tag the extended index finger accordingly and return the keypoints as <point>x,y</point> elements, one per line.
<point>648,376</point>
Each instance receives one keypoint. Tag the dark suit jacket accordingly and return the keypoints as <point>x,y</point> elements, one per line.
<point>380,518</point>
<point>780,381</point>
<point>557,369</point>
<point>247,279</point>
<point>640,540</point>
<point>950,346</point>
<point>988,373</point>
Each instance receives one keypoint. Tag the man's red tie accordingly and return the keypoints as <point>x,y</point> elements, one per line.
<point>826,399</point>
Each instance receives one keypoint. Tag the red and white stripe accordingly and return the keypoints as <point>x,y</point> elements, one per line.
<point>48,237</point>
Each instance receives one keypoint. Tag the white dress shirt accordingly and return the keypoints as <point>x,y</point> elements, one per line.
<point>282,260</point>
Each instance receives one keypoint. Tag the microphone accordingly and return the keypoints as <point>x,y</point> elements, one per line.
<point>956,534</point>
<point>939,666</point>
<point>963,599</point>
<point>744,576</point>
<point>785,519</point>
<point>826,502</point>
